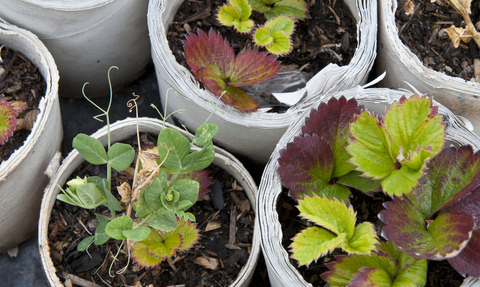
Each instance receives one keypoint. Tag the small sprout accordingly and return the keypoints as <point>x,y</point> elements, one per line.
<point>236,13</point>
<point>275,35</point>
<point>297,9</point>
<point>9,110</point>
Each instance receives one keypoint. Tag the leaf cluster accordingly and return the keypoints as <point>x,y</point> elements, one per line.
<point>9,110</point>
<point>275,34</point>
<point>435,209</point>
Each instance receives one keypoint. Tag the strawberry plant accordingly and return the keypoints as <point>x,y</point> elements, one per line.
<point>297,9</point>
<point>214,64</point>
<point>9,111</point>
<point>434,213</point>
<point>163,189</point>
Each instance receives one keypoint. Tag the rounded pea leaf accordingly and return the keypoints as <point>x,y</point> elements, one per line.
<point>199,159</point>
<point>137,234</point>
<point>204,134</point>
<point>101,235</point>
<point>120,156</point>
<point>116,227</point>
<point>85,243</point>
<point>90,148</point>
<point>173,145</point>
<point>164,220</point>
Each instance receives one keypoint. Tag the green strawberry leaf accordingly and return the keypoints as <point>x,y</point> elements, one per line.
<point>9,110</point>
<point>281,44</point>
<point>356,180</point>
<point>236,14</point>
<point>297,9</point>
<point>262,37</point>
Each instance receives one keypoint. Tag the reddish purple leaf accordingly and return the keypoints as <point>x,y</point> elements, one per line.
<point>253,67</point>
<point>212,82</point>
<point>409,229</point>
<point>332,122</point>
<point>469,205</point>
<point>305,162</point>
<point>468,261</point>
<point>211,52</point>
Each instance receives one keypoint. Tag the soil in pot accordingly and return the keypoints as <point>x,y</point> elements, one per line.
<point>223,248</point>
<point>20,80</point>
<point>423,33</point>
<point>330,36</point>
<point>440,273</point>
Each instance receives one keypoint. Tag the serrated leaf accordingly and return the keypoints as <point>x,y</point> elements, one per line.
<point>189,233</point>
<point>173,145</point>
<point>239,99</point>
<point>120,156</point>
<point>236,14</point>
<point>90,149</point>
<point>211,52</point>
<point>467,262</point>
<point>332,121</point>
<point>262,37</point>
<point>421,237</point>
<point>369,147</point>
<point>281,23</point>
<point>140,253</point>
<point>296,8</point>
<point>412,123</point>
<point>9,111</point>
<point>362,241</point>
<point>373,277</point>
<point>253,67</point>
<point>312,243</point>
<point>401,181</point>
<point>116,227</point>
<point>330,214</point>
<point>331,191</point>
<point>281,45</point>
<point>304,162</point>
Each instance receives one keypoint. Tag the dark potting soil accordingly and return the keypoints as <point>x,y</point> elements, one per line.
<point>330,36</point>
<point>19,81</point>
<point>440,273</point>
<point>70,224</point>
<point>423,33</point>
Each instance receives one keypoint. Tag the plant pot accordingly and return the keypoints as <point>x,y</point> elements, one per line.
<point>20,198</point>
<point>281,272</point>
<point>253,134</point>
<point>86,38</point>
<point>122,130</point>
<point>404,69</point>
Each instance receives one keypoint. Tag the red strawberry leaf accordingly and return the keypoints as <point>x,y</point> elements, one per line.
<point>9,111</point>
<point>332,122</point>
<point>468,261</point>
<point>306,167</point>
<point>253,67</point>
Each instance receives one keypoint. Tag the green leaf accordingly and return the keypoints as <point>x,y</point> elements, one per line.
<point>188,192</point>
<point>90,196</point>
<point>314,242</point>
<point>85,243</point>
<point>330,214</point>
<point>101,235</point>
<point>189,233</point>
<point>262,37</point>
<point>141,254</point>
<point>116,227</point>
<point>90,149</point>
<point>356,180</point>
<point>164,220</point>
<point>236,14</point>
<point>154,191</point>
<point>281,45</point>
<point>113,203</point>
<point>281,23</point>
<point>401,181</point>
<point>199,159</point>
<point>331,191</point>
<point>363,240</point>
<point>137,234</point>
<point>172,143</point>
<point>120,156</point>
<point>204,134</point>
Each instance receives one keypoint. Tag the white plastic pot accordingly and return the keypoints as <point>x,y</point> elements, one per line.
<point>22,178</point>
<point>280,271</point>
<point>403,68</point>
<point>86,38</point>
<point>252,134</point>
<point>122,130</point>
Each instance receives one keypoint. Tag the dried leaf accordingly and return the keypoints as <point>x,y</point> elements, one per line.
<point>210,263</point>
<point>125,192</point>
<point>212,225</point>
<point>409,7</point>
